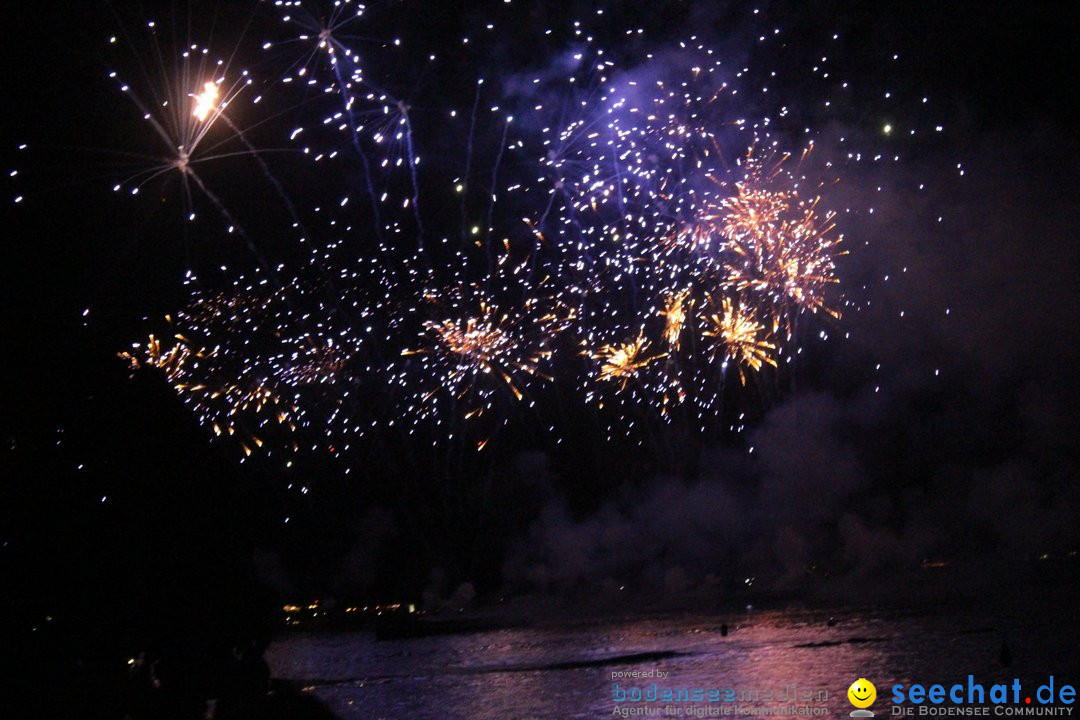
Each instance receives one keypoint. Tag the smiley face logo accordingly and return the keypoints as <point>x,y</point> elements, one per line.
<point>862,693</point>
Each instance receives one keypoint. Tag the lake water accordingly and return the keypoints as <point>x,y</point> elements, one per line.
<point>565,670</point>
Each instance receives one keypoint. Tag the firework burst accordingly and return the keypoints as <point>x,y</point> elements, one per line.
<point>622,362</point>
<point>739,337</point>
<point>185,103</point>
<point>476,357</point>
<point>778,248</point>
<point>220,399</point>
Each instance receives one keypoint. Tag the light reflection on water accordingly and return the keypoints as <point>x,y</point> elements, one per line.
<point>506,674</point>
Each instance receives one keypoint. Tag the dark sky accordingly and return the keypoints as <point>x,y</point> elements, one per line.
<point>976,464</point>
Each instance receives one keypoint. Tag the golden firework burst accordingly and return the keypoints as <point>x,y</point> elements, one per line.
<point>622,361</point>
<point>740,337</point>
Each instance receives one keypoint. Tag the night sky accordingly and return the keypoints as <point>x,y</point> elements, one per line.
<point>938,422</point>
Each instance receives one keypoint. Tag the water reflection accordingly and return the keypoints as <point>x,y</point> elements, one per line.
<point>565,672</point>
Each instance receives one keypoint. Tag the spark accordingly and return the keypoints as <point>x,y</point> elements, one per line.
<point>674,314</point>
<point>623,361</point>
<point>739,337</point>
<point>206,101</point>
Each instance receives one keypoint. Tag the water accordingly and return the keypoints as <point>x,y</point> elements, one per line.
<point>523,673</point>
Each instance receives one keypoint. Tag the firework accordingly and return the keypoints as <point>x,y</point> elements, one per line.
<point>220,400</point>
<point>621,362</point>
<point>778,248</point>
<point>483,344</point>
<point>257,360</point>
<point>674,314</point>
<point>206,102</point>
<point>739,337</point>
<point>183,107</point>
<point>672,235</point>
<point>477,356</point>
